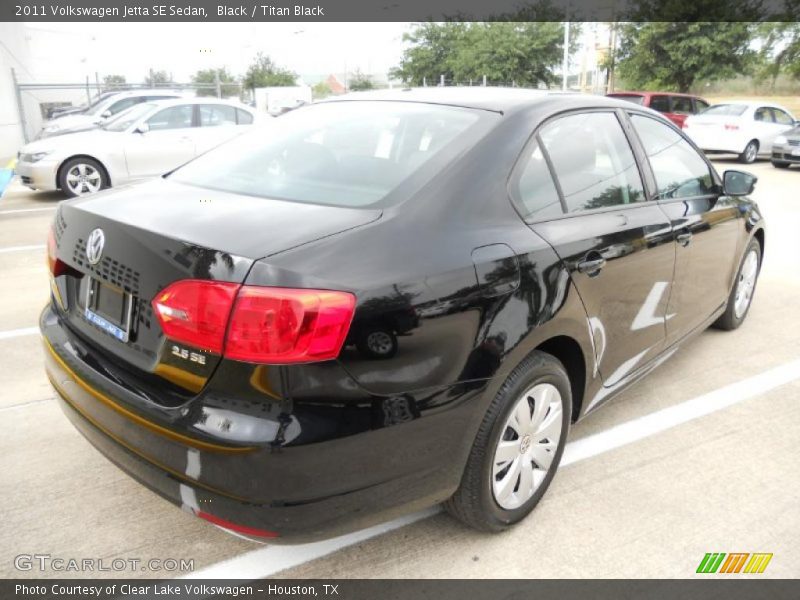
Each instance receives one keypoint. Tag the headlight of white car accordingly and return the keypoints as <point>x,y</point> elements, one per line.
<point>781,139</point>
<point>32,157</point>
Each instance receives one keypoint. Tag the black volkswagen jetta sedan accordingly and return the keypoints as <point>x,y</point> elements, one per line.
<point>390,300</point>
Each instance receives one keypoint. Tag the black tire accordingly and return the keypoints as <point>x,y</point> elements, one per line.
<point>728,321</point>
<point>387,347</point>
<point>92,168</point>
<point>779,164</point>
<point>474,503</point>
<point>750,152</point>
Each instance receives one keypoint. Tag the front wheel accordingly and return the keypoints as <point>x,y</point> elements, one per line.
<point>744,287</point>
<point>518,447</point>
<point>82,176</point>
<point>750,152</point>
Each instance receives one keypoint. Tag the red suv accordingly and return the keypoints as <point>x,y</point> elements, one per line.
<point>675,106</point>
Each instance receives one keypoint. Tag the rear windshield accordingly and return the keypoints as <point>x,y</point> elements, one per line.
<point>725,110</point>
<point>351,154</point>
<point>629,97</point>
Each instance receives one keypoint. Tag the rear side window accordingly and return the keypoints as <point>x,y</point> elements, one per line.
<point>593,161</point>
<point>243,117</point>
<point>533,190</point>
<point>679,170</point>
<point>660,103</point>
<point>681,105</point>
<point>215,115</point>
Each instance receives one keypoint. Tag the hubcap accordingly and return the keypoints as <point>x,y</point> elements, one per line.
<point>83,179</point>
<point>527,446</point>
<point>751,152</point>
<point>746,284</point>
<point>379,342</point>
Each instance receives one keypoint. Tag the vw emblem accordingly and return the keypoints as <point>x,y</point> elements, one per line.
<point>94,246</point>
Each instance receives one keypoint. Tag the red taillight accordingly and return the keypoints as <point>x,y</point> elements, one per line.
<point>282,325</point>
<point>196,312</point>
<point>55,266</point>
<point>731,127</point>
<point>267,325</point>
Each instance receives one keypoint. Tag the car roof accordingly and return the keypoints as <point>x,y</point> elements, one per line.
<point>495,99</point>
<point>636,93</point>
<point>199,100</point>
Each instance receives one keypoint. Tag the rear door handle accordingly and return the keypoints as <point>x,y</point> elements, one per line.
<point>684,238</point>
<point>592,266</point>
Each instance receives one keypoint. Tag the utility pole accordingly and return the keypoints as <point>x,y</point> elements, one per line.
<point>565,62</point>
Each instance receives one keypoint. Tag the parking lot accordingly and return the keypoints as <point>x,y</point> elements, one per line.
<point>702,456</point>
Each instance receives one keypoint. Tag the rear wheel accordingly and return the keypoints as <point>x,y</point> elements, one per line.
<point>518,447</point>
<point>780,164</point>
<point>82,176</point>
<point>743,289</point>
<point>750,152</point>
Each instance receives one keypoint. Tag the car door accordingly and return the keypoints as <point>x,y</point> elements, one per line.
<point>217,124</point>
<point>704,223</point>
<point>617,246</point>
<point>166,144</point>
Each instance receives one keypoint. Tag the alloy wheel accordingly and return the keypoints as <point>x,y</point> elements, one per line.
<point>527,446</point>
<point>84,179</point>
<point>746,284</point>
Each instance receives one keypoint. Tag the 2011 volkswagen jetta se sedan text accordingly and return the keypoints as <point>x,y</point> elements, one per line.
<point>388,301</point>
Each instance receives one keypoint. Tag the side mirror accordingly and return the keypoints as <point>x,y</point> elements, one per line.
<point>143,128</point>
<point>106,113</point>
<point>738,183</point>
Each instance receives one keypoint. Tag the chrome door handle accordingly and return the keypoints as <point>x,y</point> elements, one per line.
<point>684,238</point>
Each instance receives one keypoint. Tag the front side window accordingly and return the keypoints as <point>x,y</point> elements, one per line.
<point>679,170</point>
<point>681,105</point>
<point>350,154</point>
<point>174,117</point>
<point>781,117</point>
<point>763,114</point>
<point>125,119</point>
<point>124,104</point>
<point>534,191</point>
<point>593,161</point>
<point>214,115</point>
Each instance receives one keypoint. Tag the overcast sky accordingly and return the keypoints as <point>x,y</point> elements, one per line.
<point>130,49</point>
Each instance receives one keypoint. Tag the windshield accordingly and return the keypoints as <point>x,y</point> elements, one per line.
<point>629,97</point>
<point>340,153</point>
<point>126,118</point>
<point>725,110</point>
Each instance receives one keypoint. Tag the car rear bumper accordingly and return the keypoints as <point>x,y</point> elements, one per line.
<point>40,175</point>
<point>256,490</point>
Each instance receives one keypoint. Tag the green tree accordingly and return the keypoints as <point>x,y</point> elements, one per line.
<point>228,83</point>
<point>263,72</point>
<point>113,82</point>
<point>321,90</point>
<point>526,53</point>
<point>359,82</point>
<point>780,48</point>
<point>157,78</point>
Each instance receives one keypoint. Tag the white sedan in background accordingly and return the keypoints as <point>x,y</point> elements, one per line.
<point>147,140</point>
<point>744,128</point>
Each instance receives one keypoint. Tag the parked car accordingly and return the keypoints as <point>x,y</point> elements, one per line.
<point>63,111</point>
<point>147,140</point>
<point>676,107</point>
<point>103,110</point>
<point>198,322</point>
<point>744,128</point>
<point>786,149</point>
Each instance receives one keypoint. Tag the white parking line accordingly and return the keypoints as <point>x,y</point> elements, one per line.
<point>268,560</point>
<point>15,333</point>
<point>15,211</point>
<point>22,248</point>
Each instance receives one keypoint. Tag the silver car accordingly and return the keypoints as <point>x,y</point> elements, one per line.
<point>147,140</point>
<point>786,149</point>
